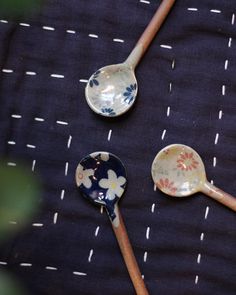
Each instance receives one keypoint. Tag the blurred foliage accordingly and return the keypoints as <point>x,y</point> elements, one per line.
<point>9,285</point>
<point>19,191</point>
<point>16,7</point>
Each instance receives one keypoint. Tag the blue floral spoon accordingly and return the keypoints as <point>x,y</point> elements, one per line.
<point>101,178</point>
<point>111,91</point>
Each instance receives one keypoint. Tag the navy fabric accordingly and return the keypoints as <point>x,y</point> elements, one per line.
<point>186,95</point>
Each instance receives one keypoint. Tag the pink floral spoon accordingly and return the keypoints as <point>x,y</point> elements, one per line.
<point>178,171</point>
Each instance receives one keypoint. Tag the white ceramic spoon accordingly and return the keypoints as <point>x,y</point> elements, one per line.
<point>111,91</point>
<point>178,171</point>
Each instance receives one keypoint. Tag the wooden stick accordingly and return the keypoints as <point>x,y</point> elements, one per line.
<point>129,258</point>
<point>155,23</point>
<point>149,33</point>
<point>219,195</point>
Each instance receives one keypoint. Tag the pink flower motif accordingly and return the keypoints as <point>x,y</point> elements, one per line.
<point>166,185</point>
<point>186,162</point>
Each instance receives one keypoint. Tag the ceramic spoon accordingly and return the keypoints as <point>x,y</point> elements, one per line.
<point>178,171</point>
<point>111,91</point>
<point>101,177</point>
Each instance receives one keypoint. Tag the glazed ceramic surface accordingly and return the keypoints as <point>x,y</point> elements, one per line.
<point>178,170</point>
<point>111,91</point>
<point>101,177</point>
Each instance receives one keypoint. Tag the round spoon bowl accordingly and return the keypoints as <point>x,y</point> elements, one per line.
<point>101,177</point>
<point>178,171</point>
<point>112,90</point>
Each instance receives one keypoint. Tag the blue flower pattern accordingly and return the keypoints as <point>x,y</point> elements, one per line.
<point>93,80</point>
<point>99,194</point>
<point>129,93</point>
<point>108,111</point>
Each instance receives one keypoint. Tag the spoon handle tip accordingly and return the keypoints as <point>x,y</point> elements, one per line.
<point>129,258</point>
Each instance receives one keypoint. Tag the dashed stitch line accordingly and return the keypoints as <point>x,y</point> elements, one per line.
<point>216,138</point>
<point>109,135</point>
<point>25,264</point>
<point>207,212</point>
<point>223,90</point>
<point>11,164</point>
<point>69,141</point>
<point>153,207</point>
<point>4,21</point>
<point>233,19</point>
<point>192,9</point>
<point>196,279</point>
<point>37,224</point>
<point>24,24</point>
<point>96,231</point>
<point>62,122</point>
<point>214,161</point>
<point>145,1</point>
<point>145,256</point>
<point>202,237</point>
<point>66,168</point>
<point>51,268</point>
<point>71,31</point>
<point>48,28</point>
<point>3,263</point>
<point>230,42</point>
<point>90,255</point>
<point>93,36</point>
<point>168,111</point>
<point>199,258</point>
<point>215,11</point>
<point>8,71</point>
<point>55,217</point>
<point>39,119</point>
<point>148,233</point>
<point>30,73</point>
<point>62,194</point>
<point>220,114</point>
<point>33,165</point>
<point>226,64</point>
<point>166,46</point>
<point>163,134</point>
<point>58,76</point>
<point>79,273</point>
<point>31,146</point>
<point>11,142</point>
<point>16,116</point>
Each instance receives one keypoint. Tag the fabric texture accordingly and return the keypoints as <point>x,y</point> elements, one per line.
<point>186,95</point>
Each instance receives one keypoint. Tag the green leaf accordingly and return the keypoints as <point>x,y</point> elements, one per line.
<point>15,7</point>
<point>19,191</point>
<point>9,285</point>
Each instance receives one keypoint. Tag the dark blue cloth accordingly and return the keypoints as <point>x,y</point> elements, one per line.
<point>186,95</point>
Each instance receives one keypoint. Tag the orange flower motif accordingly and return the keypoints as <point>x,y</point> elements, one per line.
<point>187,162</point>
<point>166,185</point>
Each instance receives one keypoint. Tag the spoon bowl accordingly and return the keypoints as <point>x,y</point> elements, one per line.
<point>111,91</point>
<point>178,171</point>
<point>101,177</point>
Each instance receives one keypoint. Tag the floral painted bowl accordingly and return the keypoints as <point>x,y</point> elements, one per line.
<point>111,91</point>
<point>101,177</point>
<point>178,171</point>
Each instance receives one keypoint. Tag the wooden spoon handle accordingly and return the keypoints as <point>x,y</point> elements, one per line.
<point>155,23</point>
<point>219,195</point>
<point>149,33</point>
<point>129,258</point>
